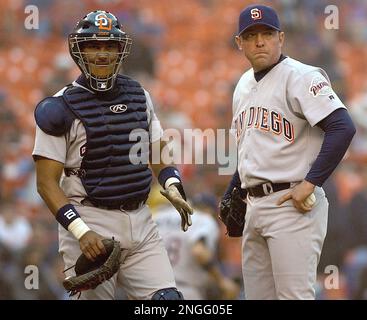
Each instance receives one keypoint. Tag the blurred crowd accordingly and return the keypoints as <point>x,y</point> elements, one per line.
<point>184,55</point>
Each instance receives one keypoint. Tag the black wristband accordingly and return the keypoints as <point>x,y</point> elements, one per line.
<point>66,215</point>
<point>166,173</point>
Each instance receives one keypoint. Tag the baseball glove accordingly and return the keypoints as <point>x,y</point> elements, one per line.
<point>232,211</point>
<point>90,274</point>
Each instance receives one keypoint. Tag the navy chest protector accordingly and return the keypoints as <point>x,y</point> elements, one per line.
<point>115,125</point>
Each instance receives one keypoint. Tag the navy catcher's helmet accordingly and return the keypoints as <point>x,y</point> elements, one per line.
<point>99,26</point>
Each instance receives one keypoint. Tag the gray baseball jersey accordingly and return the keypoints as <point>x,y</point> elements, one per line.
<point>274,121</point>
<point>191,279</point>
<point>146,266</point>
<point>274,124</point>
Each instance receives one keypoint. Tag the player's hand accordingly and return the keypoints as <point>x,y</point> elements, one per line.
<point>184,209</point>
<point>298,195</point>
<point>91,245</point>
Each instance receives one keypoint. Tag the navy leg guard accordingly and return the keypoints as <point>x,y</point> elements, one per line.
<point>168,294</point>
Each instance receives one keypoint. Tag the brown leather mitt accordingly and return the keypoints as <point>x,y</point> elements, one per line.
<point>90,274</point>
<point>232,211</point>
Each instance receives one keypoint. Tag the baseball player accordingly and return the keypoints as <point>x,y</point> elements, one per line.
<point>193,253</point>
<point>292,130</point>
<point>93,175</point>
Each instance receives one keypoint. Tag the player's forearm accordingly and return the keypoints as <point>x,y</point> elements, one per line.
<point>48,177</point>
<point>156,168</point>
<point>52,195</point>
<point>339,131</point>
<point>48,174</point>
<point>157,163</point>
<point>65,213</point>
<point>166,172</point>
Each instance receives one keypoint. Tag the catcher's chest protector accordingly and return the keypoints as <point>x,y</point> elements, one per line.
<point>107,173</point>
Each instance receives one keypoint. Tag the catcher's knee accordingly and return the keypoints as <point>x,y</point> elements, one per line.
<point>168,294</point>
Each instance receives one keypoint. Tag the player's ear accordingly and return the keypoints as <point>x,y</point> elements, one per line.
<point>281,38</point>
<point>238,40</point>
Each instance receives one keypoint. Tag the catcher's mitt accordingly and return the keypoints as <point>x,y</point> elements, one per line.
<point>90,274</point>
<point>232,211</point>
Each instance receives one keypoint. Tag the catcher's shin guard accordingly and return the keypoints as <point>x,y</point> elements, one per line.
<point>167,294</point>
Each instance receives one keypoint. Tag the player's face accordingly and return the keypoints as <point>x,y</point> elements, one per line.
<point>262,46</point>
<point>101,57</point>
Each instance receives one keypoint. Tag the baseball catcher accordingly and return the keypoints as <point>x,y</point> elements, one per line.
<point>102,129</point>
<point>232,211</point>
<point>90,274</point>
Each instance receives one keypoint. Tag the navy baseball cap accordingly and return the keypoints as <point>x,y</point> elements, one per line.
<point>257,15</point>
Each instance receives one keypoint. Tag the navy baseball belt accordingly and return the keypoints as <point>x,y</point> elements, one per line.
<point>267,188</point>
<point>128,205</point>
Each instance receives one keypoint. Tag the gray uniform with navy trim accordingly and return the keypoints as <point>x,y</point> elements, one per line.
<point>146,267</point>
<point>274,124</point>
